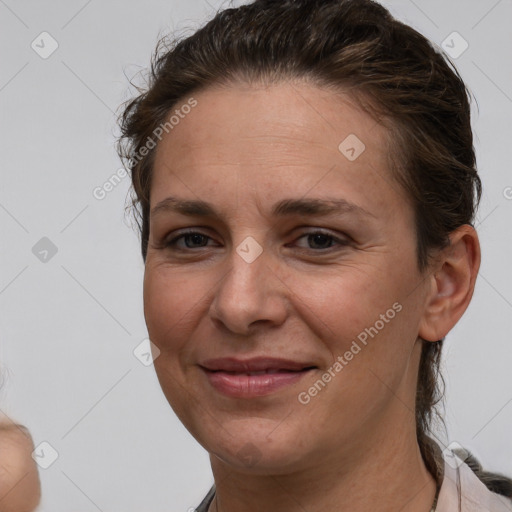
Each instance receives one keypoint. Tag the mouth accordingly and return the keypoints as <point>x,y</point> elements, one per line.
<point>268,371</point>
<point>254,377</point>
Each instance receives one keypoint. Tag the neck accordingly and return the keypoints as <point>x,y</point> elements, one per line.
<point>382,471</point>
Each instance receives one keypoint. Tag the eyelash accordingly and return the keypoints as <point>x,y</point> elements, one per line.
<point>340,241</point>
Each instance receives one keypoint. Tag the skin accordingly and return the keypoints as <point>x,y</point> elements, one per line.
<point>353,446</point>
<point>20,488</point>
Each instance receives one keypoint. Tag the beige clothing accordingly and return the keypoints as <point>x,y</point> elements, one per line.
<point>474,495</point>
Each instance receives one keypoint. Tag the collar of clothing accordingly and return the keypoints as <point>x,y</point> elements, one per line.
<point>461,490</point>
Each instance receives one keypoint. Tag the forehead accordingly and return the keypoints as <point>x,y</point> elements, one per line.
<point>286,134</point>
<point>286,112</point>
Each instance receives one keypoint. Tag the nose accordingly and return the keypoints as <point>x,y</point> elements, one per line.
<point>250,293</point>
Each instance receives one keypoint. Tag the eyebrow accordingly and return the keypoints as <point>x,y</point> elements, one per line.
<point>285,207</point>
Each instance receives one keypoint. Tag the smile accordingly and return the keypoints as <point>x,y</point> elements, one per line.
<point>253,378</point>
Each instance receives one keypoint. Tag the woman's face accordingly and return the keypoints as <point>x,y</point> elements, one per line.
<point>288,323</point>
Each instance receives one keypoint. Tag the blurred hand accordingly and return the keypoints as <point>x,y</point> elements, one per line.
<point>20,488</point>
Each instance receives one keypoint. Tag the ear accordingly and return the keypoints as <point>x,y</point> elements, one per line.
<point>452,281</point>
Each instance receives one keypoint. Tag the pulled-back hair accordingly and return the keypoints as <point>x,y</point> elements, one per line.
<point>390,70</point>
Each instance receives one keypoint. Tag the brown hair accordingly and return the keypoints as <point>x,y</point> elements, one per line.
<point>392,71</point>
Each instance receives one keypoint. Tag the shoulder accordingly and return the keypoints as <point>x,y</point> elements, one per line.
<point>462,490</point>
<point>19,478</point>
<point>475,492</point>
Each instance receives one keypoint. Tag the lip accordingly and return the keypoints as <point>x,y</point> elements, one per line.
<point>254,377</point>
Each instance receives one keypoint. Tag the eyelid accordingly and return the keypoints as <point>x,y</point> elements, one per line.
<point>181,234</point>
<point>339,241</point>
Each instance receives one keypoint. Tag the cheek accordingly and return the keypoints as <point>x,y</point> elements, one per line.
<point>170,303</point>
<point>345,301</point>
<point>368,317</point>
<point>368,326</point>
<point>170,310</point>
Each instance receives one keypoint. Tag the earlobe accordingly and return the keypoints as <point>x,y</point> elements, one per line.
<point>452,282</point>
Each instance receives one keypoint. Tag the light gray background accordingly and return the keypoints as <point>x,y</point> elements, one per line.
<point>69,326</point>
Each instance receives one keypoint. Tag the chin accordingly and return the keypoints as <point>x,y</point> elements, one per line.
<point>259,451</point>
